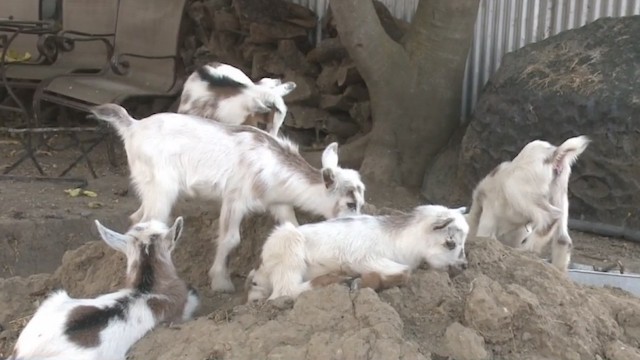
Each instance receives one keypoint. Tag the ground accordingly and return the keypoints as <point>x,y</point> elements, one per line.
<point>44,230</point>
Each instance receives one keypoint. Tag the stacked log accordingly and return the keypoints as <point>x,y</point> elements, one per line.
<point>275,38</point>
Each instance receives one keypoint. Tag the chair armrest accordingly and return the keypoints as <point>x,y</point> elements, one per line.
<point>66,40</point>
<point>120,66</point>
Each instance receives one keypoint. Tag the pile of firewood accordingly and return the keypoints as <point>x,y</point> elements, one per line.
<point>276,38</point>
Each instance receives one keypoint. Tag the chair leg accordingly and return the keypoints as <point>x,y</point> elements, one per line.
<point>84,155</point>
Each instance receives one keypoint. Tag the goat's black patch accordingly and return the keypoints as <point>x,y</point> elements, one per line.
<point>85,322</point>
<point>146,275</point>
<point>218,81</point>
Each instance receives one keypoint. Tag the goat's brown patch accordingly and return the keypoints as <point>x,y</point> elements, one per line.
<point>85,323</point>
<point>442,224</point>
<point>327,279</point>
<point>290,158</point>
<point>377,281</point>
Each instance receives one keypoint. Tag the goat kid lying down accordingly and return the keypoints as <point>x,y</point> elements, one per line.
<point>172,155</point>
<point>381,249</point>
<point>524,202</point>
<point>224,93</point>
<point>105,327</point>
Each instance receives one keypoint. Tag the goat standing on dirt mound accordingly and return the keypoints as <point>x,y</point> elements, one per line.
<point>224,93</point>
<point>104,328</point>
<point>381,249</point>
<point>531,190</point>
<point>249,170</point>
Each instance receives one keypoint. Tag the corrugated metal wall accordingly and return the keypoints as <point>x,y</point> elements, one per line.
<point>503,26</point>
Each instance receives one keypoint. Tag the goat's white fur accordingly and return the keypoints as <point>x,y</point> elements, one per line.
<point>47,335</point>
<point>387,245</point>
<point>524,202</point>
<point>174,154</point>
<point>202,97</point>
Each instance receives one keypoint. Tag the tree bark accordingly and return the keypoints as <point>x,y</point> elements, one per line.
<point>415,87</point>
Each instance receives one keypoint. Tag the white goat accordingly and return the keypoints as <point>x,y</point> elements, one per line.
<point>381,249</point>
<point>529,191</point>
<point>104,328</point>
<point>249,170</point>
<point>224,93</point>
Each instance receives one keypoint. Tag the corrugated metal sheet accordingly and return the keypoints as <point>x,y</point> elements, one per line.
<point>503,26</point>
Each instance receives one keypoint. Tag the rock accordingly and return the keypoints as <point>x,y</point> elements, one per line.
<point>268,33</point>
<point>464,343</point>
<point>328,80</point>
<point>617,350</point>
<point>581,81</point>
<point>328,50</point>
<point>305,117</point>
<point>335,102</point>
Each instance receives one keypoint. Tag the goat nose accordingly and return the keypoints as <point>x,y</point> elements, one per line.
<point>464,266</point>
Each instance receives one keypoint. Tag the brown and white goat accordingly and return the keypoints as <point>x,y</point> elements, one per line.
<point>381,250</point>
<point>224,93</point>
<point>524,202</point>
<point>106,327</point>
<point>172,155</point>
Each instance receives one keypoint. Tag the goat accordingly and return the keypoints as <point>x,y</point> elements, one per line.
<point>106,327</point>
<point>249,170</point>
<point>380,249</point>
<point>524,202</point>
<point>224,93</point>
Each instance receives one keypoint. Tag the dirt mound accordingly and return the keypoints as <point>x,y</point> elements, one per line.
<point>328,324</point>
<point>507,305</point>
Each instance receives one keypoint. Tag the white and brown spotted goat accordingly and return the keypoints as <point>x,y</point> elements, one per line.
<point>107,326</point>
<point>225,94</point>
<point>250,171</point>
<point>524,202</point>
<point>381,250</point>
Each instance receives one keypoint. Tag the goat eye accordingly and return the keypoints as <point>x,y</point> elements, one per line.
<point>351,206</point>
<point>449,244</point>
<point>253,283</point>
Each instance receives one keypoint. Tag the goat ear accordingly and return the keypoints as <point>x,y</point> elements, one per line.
<point>176,230</point>
<point>442,223</point>
<point>115,240</point>
<point>461,210</point>
<point>285,88</point>
<point>259,107</point>
<point>330,156</point>
<point>329,177</point>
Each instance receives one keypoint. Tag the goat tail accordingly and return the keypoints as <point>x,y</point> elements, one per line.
<point>567,153</point>
<point>114,114</point>
<point>223,75</point>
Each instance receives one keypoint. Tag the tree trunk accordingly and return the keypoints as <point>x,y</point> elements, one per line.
<point>415,87</point>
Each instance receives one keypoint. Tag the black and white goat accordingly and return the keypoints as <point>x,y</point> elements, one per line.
<point>224,93</point>
<point>524,202</point>
<point>105,327</point>
<point>380,250</point>
<point>250,171</point>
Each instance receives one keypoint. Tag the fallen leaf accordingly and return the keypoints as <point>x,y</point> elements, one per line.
<point>73,192</point>
<point>89,193</point>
